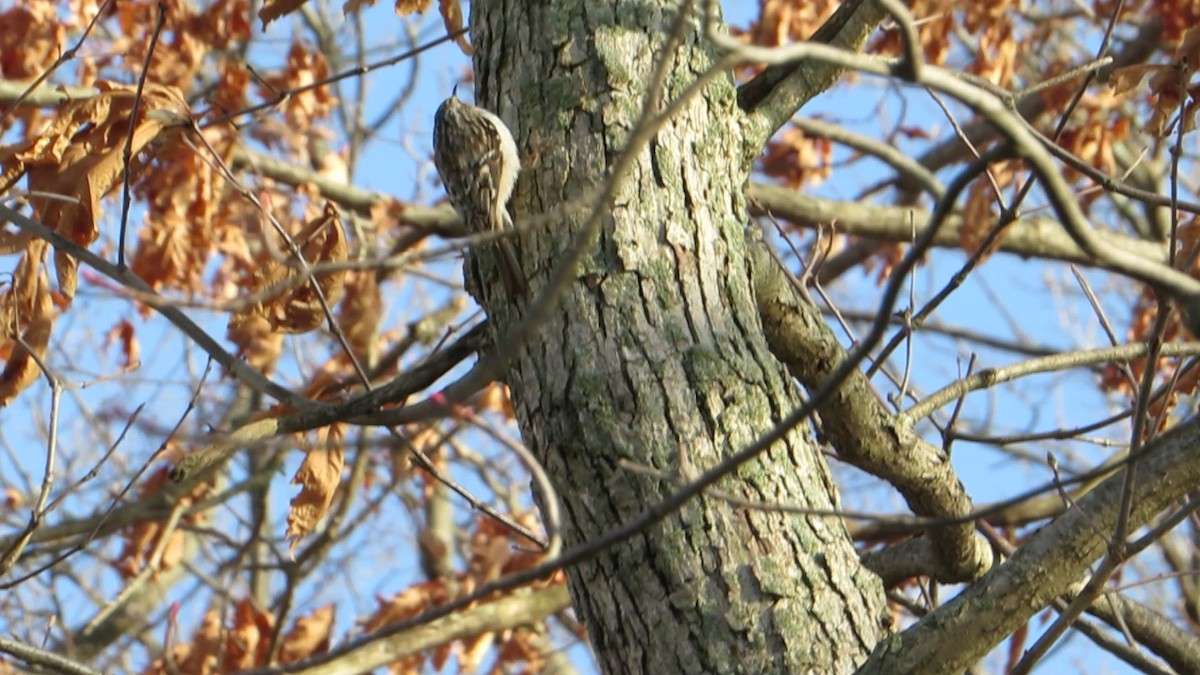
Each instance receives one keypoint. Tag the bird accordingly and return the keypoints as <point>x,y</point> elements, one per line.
<point>477,160</point>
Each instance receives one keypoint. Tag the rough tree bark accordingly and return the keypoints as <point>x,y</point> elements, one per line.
<point>655,356</point>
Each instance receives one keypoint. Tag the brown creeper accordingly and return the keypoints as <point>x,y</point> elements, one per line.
<point>476,157</point>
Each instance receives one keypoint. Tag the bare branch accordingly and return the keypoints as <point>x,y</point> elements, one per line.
<point>862,430</point>
<point>957,634</point>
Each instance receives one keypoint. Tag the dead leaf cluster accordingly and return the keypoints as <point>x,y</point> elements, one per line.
<point>798,160</point>
<point>491,552</point>
<point>245,642</point>
<point>32,39</point>
<point>69,168</point>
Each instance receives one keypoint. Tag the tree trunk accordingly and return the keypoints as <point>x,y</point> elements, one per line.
<point>655,356</point>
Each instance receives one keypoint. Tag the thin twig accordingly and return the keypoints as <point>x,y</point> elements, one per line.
<point>39,510</point>
<point>127,153</point>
